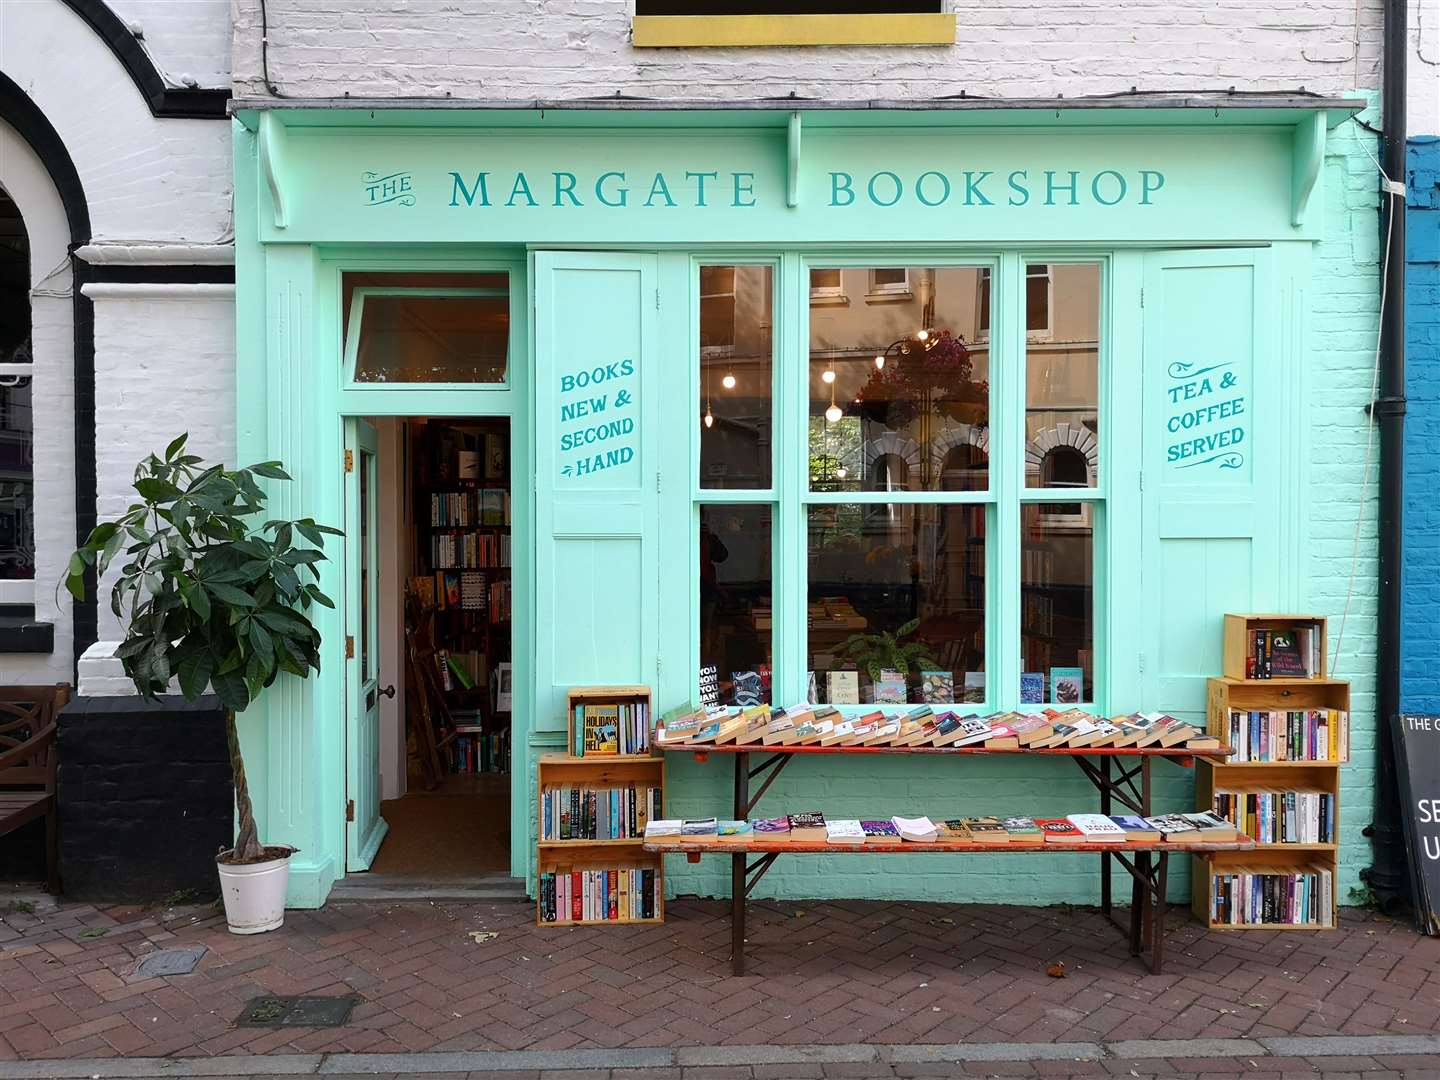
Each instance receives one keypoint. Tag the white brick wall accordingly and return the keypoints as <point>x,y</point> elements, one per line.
<point>191,38</point>
<point>523,49</point>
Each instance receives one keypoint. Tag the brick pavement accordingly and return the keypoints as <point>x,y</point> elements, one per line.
<point>821,973</point>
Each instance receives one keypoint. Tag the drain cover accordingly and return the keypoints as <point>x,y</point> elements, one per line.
<point>298,1011</point>
<point>170,962</point>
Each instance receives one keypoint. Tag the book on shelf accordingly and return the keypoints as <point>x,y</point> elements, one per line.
<point>881,832</point>
<point>609,728</point>
<point>844,831</point>
<point>1059,830</point>
<point>598,813</point>
<point>600,895</point>
<point>1291,652</point>
<point>699,830</point>
<point>1265,735</point>
<point>843,687</point>
<point>986,830</point>
<point>808,826</point>
<point>1279,817</point>
<point>777,828</point>
<point>1097,828</point>
<point>475,751</point>
<point>734,832</point>
<point>1023,830</point>
<point>1273,896</point>
<point>917,830</point>
<point>662,828</point>
<point>938,687</point>
<point>1171,825</point>
<point>1137,829</point>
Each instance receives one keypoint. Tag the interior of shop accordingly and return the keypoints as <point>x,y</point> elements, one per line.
<point>445,614</point>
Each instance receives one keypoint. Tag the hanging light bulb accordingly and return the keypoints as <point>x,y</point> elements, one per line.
<point>827,377</point>
<point>879,363</point>
<point>728,382</point>
<point>833,413</point>
<point>709,417</point>
<point>923,335</point>
<point>842,472</point>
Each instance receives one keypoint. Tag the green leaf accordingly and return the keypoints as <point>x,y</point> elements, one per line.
<point>154,490</point>
<point>283,622</point>
<point>271,470</point>
<point>176,445</point>
<point>199,602</point>
<point>231,688</point>
<point>228,594</point>
<point>194,673</point>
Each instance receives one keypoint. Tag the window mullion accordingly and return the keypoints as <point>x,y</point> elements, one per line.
<point>792,477</point>
<point>1007,475</point>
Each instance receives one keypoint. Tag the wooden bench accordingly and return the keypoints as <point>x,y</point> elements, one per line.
<point>1120,775</point>
<point>28,763</point>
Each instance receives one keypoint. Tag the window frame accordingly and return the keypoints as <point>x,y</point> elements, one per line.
<point>790,496</point>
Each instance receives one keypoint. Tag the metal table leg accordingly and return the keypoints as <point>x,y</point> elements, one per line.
<point>1105,855</point>
<point>737,868</point>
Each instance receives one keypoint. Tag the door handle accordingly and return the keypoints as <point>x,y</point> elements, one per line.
<point>389,691</point>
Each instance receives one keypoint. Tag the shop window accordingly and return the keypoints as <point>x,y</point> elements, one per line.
<point>896,597</point>
<point>427,329</point>
<point>1057,609</point>
<point>736,614</point>
<point>17,428</point>
<point>1037,302</point>
<point>911,376</point>
<point>662,23</point>
<point>736,374</point>
<point>1062,381</point>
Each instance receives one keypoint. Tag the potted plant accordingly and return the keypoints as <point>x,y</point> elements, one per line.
<point>214,597</point>
<point>884,651</point>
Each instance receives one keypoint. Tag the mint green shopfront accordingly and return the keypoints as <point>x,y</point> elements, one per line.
<point>1044,389</point>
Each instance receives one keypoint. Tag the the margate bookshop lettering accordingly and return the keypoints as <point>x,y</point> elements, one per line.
<point>702,189</point>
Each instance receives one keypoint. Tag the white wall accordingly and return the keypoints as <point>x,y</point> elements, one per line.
<point>520,49</point>
<point>1423,68</point>
<point>185,38</point>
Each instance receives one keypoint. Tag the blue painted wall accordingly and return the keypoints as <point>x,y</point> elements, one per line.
<point>1420,649</point>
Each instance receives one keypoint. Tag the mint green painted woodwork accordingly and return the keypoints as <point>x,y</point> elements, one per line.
<point>596,361</point>
<point>367,828</point>
<point>1210,462</point>
<point>604,576</point>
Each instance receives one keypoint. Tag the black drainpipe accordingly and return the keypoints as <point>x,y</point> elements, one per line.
<point>1387,876</point>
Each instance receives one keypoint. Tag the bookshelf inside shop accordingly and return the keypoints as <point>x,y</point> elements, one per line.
<point>592,807</point>
<point>1289,728</point>
<point>460,589</point>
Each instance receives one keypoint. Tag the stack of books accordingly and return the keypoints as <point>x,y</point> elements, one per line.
<point>812,826</point>
<point>1289,653</point>
<point>1289,735</point>
<point>1280,817</point>
<point>1280,896</point>
<point>599,895</point>
<point>621,728</point>
<point>921,727</point>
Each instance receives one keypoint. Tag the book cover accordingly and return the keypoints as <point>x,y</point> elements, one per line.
<point>955,831</point>
<point>1097,828</point>
<point>1032,687</point>
<point>709,686</point>
<point>698,830</point>
<point>987,830</point>
<point>602,729</point>
<point>1169,825</point>
<point>890,688</point>
<point>1210,826</point>
<point>920,830</point>
<point>809,825</point>
<point>747,691</point>
<point>844,831</point>
<point>1286,661</point>
<point>937,687</point>
<point>1059,830</point>
<point>843,687</point>
<point>771,828</point>
<point>1023,830</point>
<point>973,729</point>
<point>974,687</point>
<point>880,832</point>
<point>734,832</point>
<point>1137,829</point>
<point>1067,685</point>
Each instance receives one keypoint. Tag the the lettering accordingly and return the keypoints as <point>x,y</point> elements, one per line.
<point>586,425</point>
<point>1214,427</point>
<point>1051,187</point>
<point>973,195</point>
<point>565,185</point>
<point>660,188</point>
<point>744,189</point>
<point>893,180</point>
<point>1017,188</point>
<point>944,188</point>
<point>521,187</point>
<point>700,178</point>
<point>623,192</point>
<point>842,183</point>
<point>458,190</point>
<point>1150,183</point>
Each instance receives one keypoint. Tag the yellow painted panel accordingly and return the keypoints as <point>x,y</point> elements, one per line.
<point>669,31</point>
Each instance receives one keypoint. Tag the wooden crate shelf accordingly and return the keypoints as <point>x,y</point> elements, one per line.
<point>598,771</point>
<point>1235,692</point>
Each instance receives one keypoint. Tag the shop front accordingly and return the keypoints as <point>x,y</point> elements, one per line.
<point>751,402</point>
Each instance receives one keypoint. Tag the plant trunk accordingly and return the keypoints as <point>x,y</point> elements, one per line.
<point>247,843</point>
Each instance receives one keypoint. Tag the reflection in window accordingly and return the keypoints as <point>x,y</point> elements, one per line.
<point>896,603</point>
<point>735,601</point>
<point>1062,383</point>
<point>735,376</point>
<point>17,430</point>
<point>1057,603</point>
<point>911,379</point>
<point>430,328</point>
<point>1037,301</point>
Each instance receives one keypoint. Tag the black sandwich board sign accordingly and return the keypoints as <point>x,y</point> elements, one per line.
<point>1417,760</point>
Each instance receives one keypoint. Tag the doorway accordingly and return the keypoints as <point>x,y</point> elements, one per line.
<point>429,509</point>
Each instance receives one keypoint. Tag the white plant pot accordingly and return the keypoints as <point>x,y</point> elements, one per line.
<point>254,893</point>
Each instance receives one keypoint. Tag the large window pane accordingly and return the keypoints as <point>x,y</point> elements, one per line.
<point>896,603</point>
<point>1057,603</point>
<point>430,328</point>
<point>899,385</point>
<point>17,480</point>
<point>1062,375</point>
<point>736,329</point>
<point>735,604</point>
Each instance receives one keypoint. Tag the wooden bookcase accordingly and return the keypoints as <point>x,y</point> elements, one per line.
<point>1274,694</point>
<point>598,771</point>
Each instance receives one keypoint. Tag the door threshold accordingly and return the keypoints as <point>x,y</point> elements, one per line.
<point>367,886</point>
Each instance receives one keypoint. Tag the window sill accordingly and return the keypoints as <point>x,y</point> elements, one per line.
<point>21,633</point>
<point>829,300</point>
<point>889,296</point>
<point>728,31</point>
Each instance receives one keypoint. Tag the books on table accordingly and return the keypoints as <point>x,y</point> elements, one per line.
<point>987,830</point>
<point>699,830</point>
<point>844,831</point>
<point>662,828</point>
<point>1171,825</point>
<point>881,832</point>
<point>734,832</point>
<point>808,826</point>
<point>1059,830</point>
<point>1023,830</point>
<point>954,831</point>
<point>919,830</point>
<point>1210,826</point>
<point>1137,829</point>
<point>777,828</point>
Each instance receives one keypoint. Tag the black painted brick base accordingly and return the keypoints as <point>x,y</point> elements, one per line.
<point>146,797</point>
